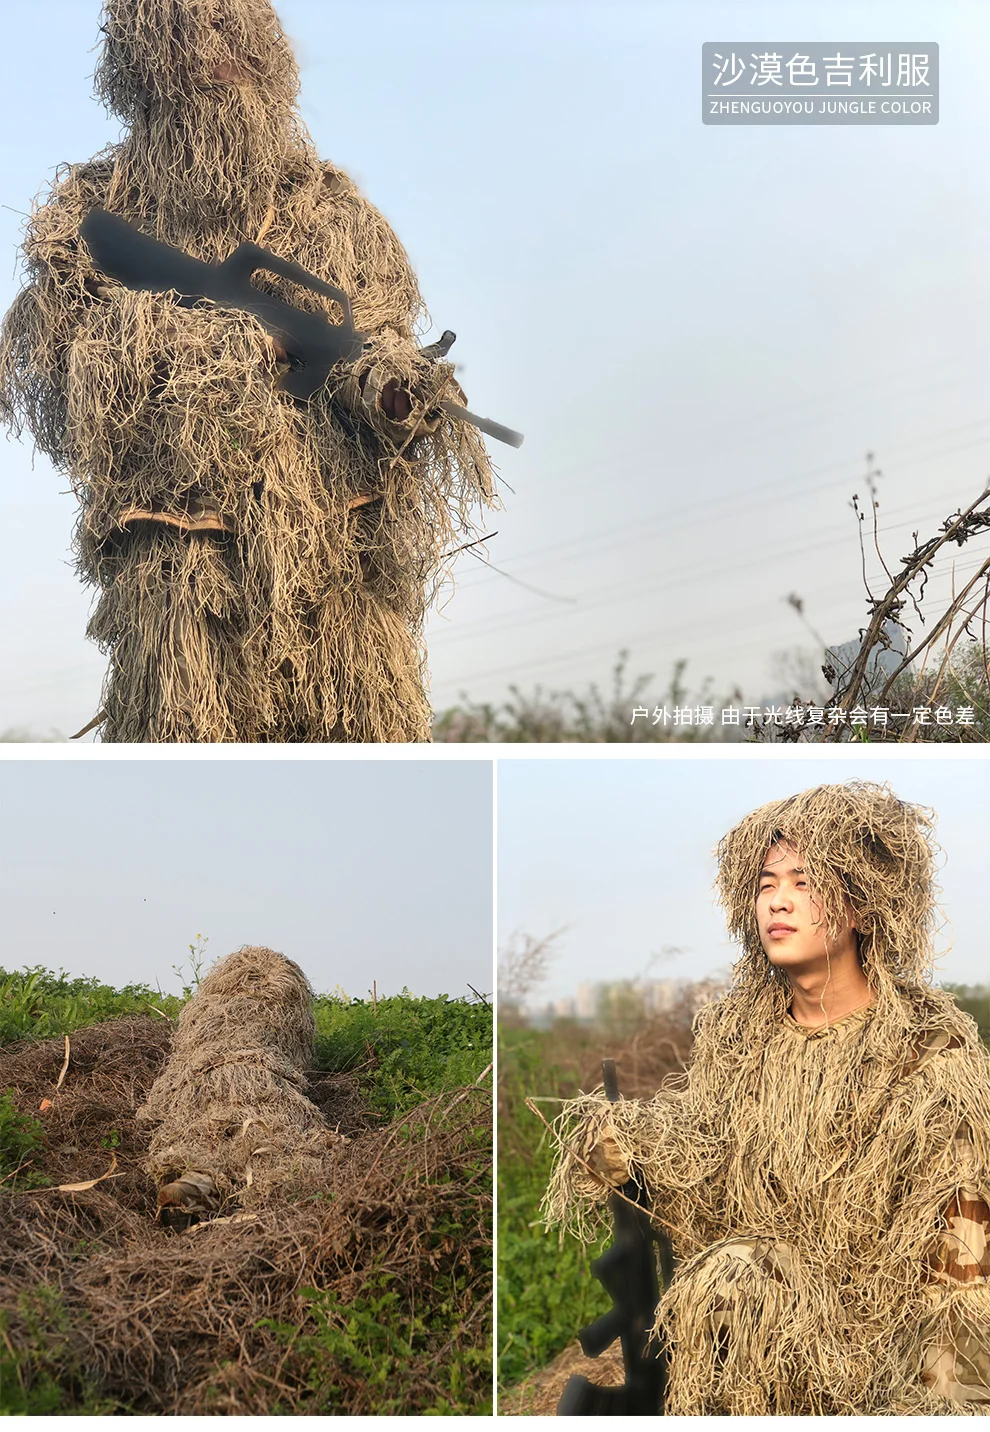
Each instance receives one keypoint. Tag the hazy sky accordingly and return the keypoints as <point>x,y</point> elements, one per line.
<point>701,330</point>
<point>357,870</point>
<point>619,853</point>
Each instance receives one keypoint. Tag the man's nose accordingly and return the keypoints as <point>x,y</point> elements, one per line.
<point>780,900</point>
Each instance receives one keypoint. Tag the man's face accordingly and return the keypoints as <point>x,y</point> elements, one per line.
<point>792,924</point>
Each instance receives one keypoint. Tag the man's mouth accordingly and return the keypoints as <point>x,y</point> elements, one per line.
<point>780,930</point>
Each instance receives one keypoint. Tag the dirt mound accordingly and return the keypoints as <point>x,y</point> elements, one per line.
<point>352,1299</point>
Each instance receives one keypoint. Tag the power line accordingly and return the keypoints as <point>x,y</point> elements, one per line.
<point>785,490</point>
<point>680,630</point>
<point>616,592</point>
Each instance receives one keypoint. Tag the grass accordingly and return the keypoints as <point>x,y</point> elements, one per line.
<point>22,1138</point>
<point>405,1047</point>
<point>545,1288</point>
<point>36,1003</point>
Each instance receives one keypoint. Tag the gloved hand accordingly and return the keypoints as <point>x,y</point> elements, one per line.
<point>601,1154</point>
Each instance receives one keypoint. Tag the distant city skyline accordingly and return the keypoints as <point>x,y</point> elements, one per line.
<point>585,1003</point>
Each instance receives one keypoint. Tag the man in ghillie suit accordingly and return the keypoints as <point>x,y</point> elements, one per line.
<point>233,1123</point>
<point>823,1167</point>
<point>263,565</point>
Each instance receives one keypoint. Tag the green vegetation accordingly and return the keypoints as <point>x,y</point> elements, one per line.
<point>23,735</point>
<point>34,1381</point>
<point>546,1291</point>
<point>975,1000</point>
<point>37,1004</point>
<point>374,1342</point>
<point>406,1048</point>
<point>21,1138</point>
<point>589,715</point>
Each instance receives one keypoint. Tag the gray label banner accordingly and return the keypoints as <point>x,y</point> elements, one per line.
<point>852,82</point>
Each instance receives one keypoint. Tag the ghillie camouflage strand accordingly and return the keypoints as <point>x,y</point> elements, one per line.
<point>230,1104</point>
<point>263,568</point>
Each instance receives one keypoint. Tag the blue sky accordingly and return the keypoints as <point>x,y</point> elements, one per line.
<point>618,855</point>
<point>357,870</point>
<point>701,330</point>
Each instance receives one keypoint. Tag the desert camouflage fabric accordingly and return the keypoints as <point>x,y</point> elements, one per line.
<point>958,1366</point>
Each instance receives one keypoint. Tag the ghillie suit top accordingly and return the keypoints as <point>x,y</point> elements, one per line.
<point>263,567</point>
<point>826,1190</point>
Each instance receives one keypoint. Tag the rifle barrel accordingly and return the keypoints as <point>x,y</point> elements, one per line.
<point>487,425</point>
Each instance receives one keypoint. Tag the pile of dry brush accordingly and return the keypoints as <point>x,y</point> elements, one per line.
<point>97,1295</point>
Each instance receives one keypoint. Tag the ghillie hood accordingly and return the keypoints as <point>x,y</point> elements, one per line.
<point>199,146</point>
<point>859,843</point>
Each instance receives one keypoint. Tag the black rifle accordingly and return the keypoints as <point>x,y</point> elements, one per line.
<point>628,1273</point>
<point>314,345</point>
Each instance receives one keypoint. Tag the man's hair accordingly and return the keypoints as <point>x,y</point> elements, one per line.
<point>857,841</point>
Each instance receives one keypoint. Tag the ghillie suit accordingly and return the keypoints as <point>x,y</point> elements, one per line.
<point>104,1310</point>
<point>234,1122</point>
<point>826,1189</point>
<point>264,567</point>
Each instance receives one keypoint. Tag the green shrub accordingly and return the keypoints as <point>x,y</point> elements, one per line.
<point>975,1000</point>
<point>546,1293</point>
<point>406,1048</point>
<point>588,715</point>
<point>374,1342</point>
<point>36,1003</point>
<point>34,1381</point>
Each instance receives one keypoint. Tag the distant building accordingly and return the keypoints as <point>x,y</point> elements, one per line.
<point>586,1000</point>
<point>883,660</point>
<point>594,998</point>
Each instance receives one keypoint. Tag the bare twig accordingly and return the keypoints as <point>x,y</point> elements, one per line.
<point>957,528</point>
<point>65,1065</point>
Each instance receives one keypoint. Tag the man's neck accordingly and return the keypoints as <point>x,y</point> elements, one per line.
<point>821,996</point>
